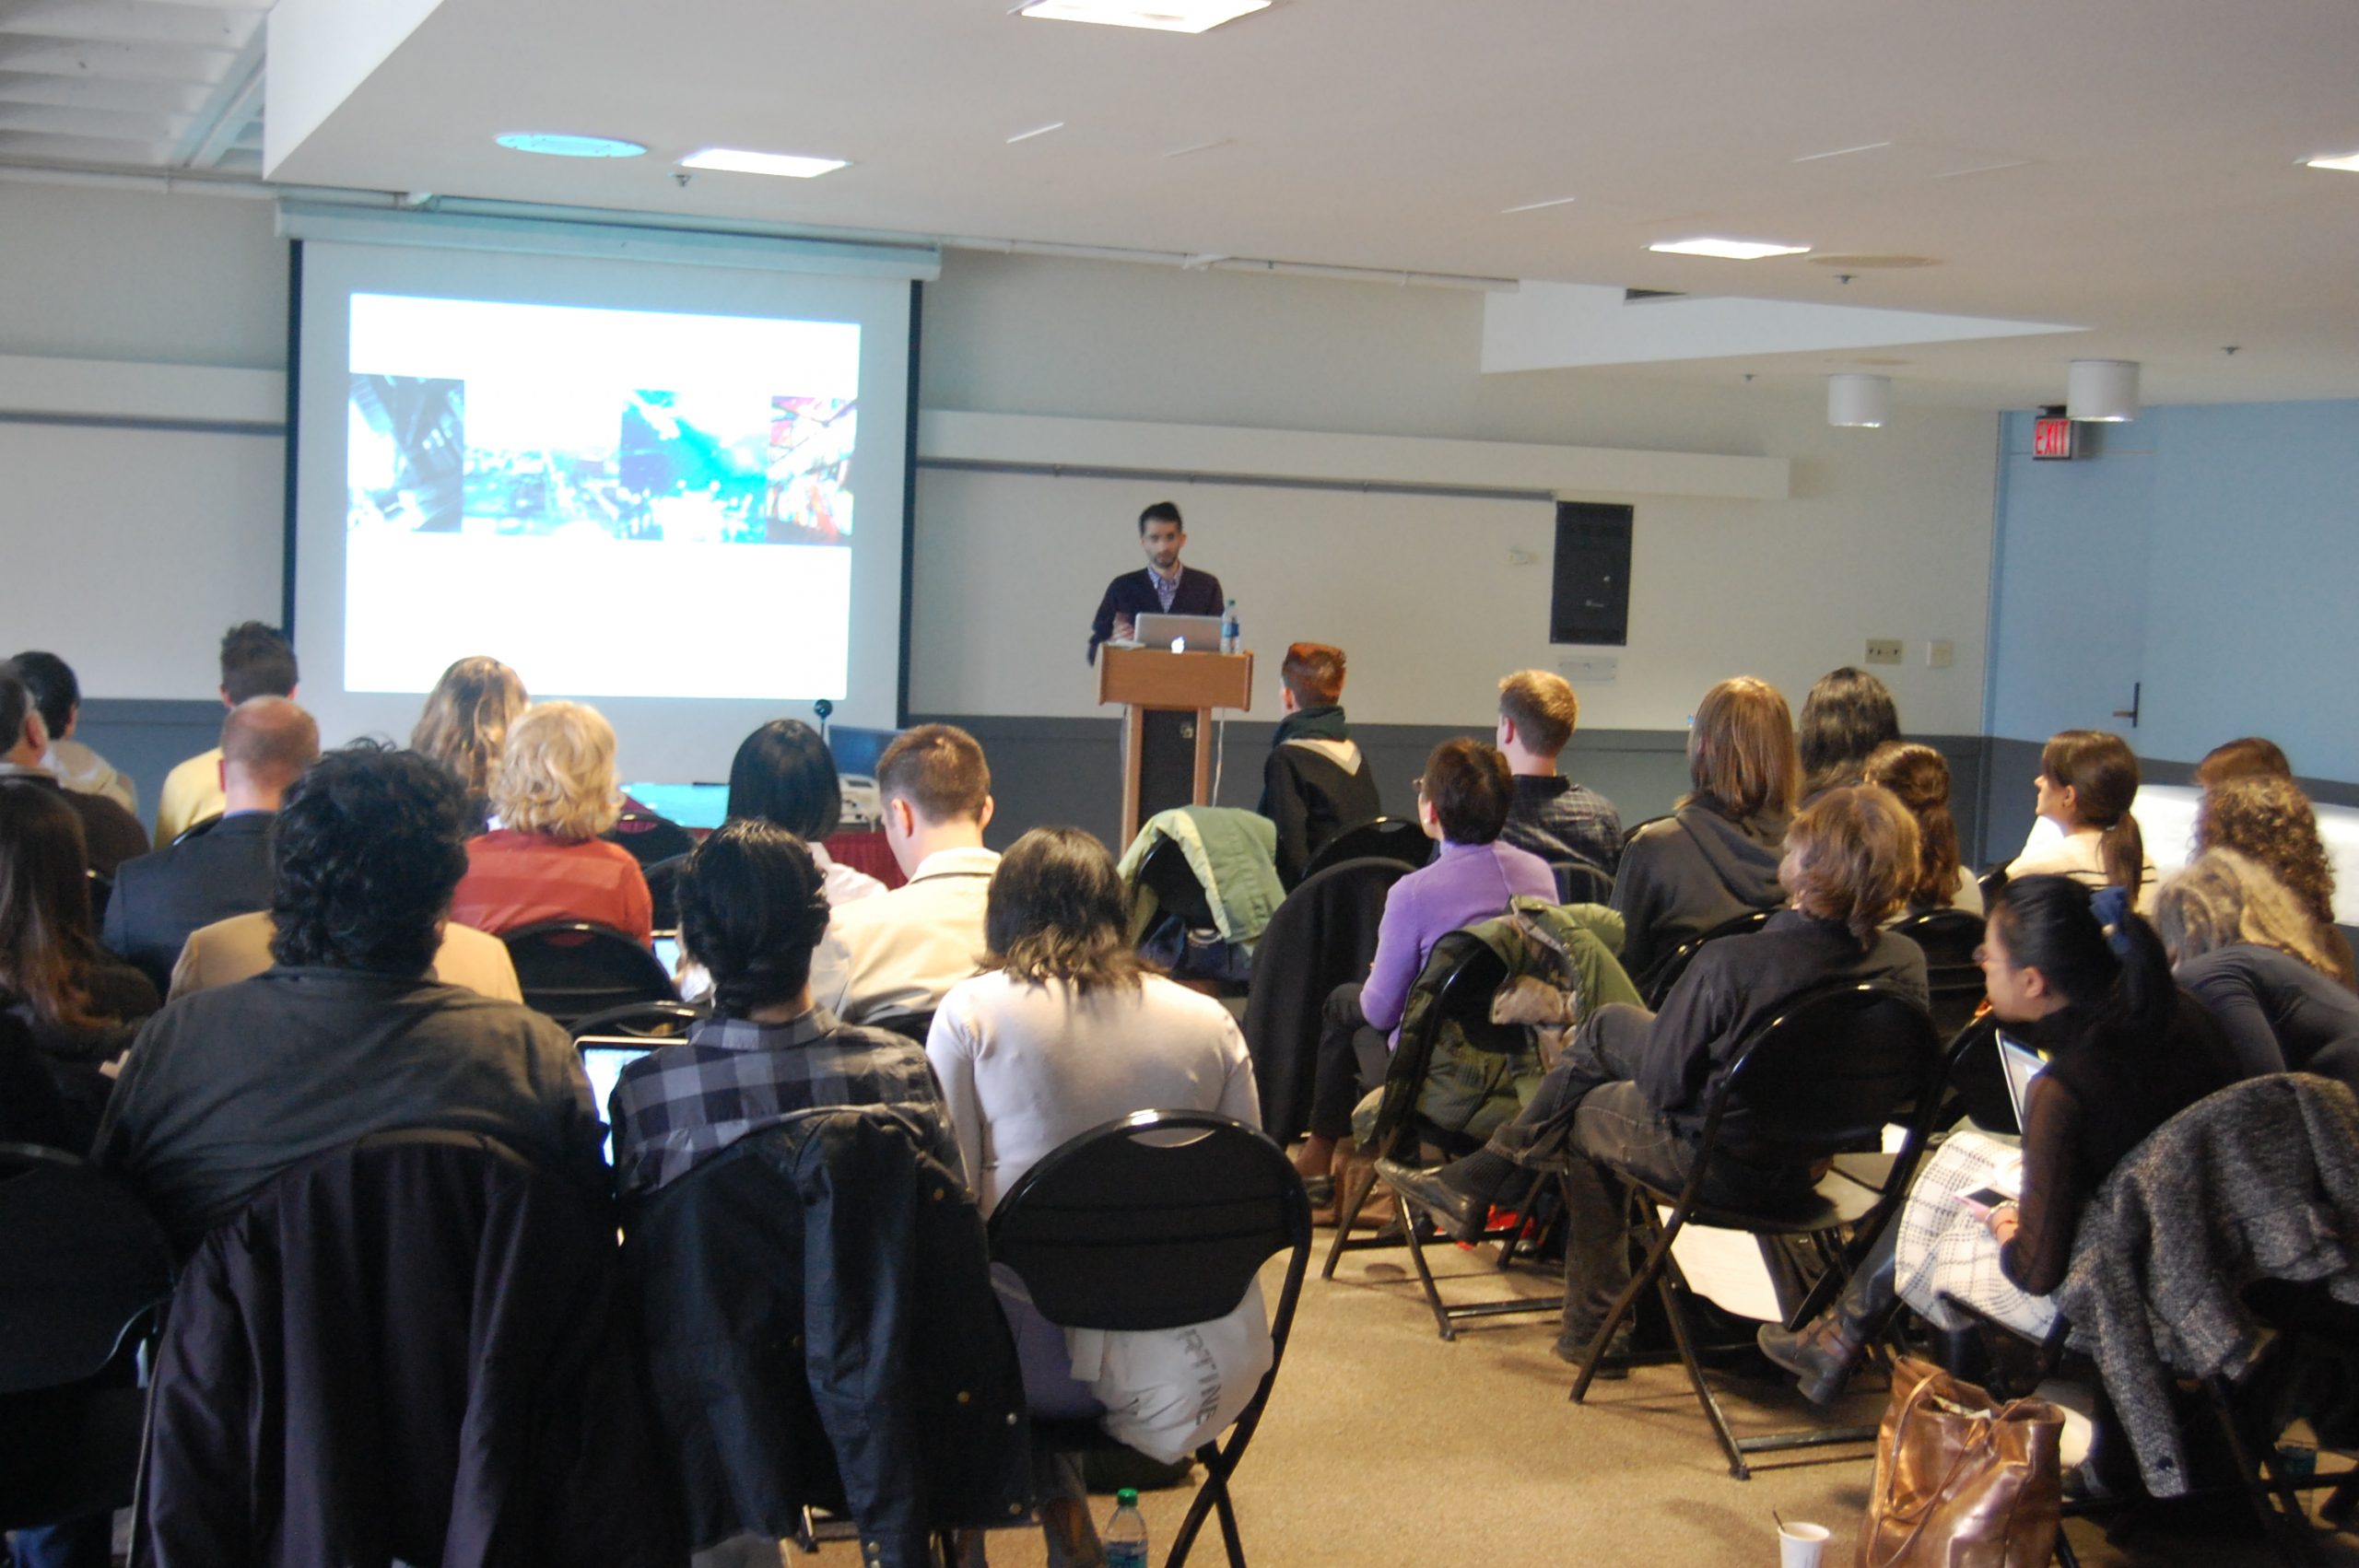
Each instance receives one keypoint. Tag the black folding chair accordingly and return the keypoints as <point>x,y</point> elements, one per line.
<point>1664,972</point>
<point>1950,938</point>
<point>101,890</point>
<point>1167,874</point>
<point>1824,1075</point>
<point>640,1021</point>
<point>1580,882</point>
<point>84,1271</point>
<point>1159,1221</point>
<point>571,969</point>
<point>1465,973</point>
<point>663,890</point>
<point>1385,837</point>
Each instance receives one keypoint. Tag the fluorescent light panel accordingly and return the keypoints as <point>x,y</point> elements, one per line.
<point>736,160</point>
<point>1164,15</point>
<point>1728,250</point>
<point>552,143</point>
<point>2348,162</point>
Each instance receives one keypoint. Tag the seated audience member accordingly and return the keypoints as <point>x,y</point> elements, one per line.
<point>1462,802</point>
<point>160,898</point>
<point>1919,777</point>
<point>1561,822</point>
<point>2248,756</point>
<point>1846,717</point>
<point>895,955</point>
<point>554,794</point>
<point>2268,820</point>
<point>752,908</point>
<point>255,661</point>
<point>1715,857</point>
<point>2087,780</point>
<point>109,834</point>
<point>1633,1085</point>
<point>2085,981</point>
<point>2250,953</point>
<point>346,1035</point>
<point>1315,782</point>
<point>784,775</point>
<point>58,694</point>
<point>1067,1030</point>
<point>77,1003</point>
<point>239,948</point>
<point>464,727</point>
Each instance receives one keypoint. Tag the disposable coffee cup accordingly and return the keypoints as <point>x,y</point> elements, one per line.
<point>1801,1545</point>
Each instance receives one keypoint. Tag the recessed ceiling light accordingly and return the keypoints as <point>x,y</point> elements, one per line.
<point>553,145</point>
<point>736,160</point>
<point>2348,162</point>
<point>1728,250</point>
<point>1164,15</point>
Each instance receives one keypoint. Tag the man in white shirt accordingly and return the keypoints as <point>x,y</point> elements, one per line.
<point>895,956</point>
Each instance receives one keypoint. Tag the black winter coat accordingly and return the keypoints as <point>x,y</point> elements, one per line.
<point>823,1331</point>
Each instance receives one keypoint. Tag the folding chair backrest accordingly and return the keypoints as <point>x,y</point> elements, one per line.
<point>82,1264</point>
<point>1827,1072</point>
<point>571,969</point>
<point>1157,1221</point>
<point>1953,980</point>
<point>643,1020</point>
<point>1578,883</point>
<point>1387,837</point>
<point>1657,980</point>
<point>1465,971</point>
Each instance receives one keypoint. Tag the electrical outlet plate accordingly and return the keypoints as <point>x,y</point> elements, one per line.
<point>1940,654</point>
<point>1883,650</point>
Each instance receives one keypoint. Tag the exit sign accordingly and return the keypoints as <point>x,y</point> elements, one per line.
<point>2051,438</point>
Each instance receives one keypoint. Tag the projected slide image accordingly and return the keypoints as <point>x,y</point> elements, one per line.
<point>407,454</point>
<point>518,472</point>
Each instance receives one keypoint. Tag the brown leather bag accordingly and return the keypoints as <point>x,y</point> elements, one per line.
<point>1958,1483</point>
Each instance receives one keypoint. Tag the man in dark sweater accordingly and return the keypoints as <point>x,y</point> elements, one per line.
<point>1561,822</point>
<point>1315,783</point>
<point>266,743</point>
<point>1166,588</point>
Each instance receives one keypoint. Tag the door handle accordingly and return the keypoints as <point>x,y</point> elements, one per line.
<point>2137,700</point>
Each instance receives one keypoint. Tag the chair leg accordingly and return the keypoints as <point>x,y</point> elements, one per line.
<point>1424,1273</point>
<point>1359,1180</point>
<point>2286,1525</point>
<point>1210,1497</point>
<point>1671,1286</point>
<point>2064,1552</point>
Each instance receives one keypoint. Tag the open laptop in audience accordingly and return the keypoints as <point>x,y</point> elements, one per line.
<point>604,1058</point>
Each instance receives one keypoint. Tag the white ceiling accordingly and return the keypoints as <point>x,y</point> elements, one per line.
<point>2128,166</point>
<point>146,84</point>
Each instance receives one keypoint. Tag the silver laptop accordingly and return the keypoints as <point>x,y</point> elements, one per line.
<point>603,1060</point>
<point>2022,1064</point>
<point>1194,634</point>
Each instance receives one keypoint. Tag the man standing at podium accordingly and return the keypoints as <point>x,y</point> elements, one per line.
<point>1167,742</point>
<point>1166,588</point>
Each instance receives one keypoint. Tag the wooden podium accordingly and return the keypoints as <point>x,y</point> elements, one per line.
<point>1148,678</point>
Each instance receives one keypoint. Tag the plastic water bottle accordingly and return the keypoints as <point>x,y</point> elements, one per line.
<point>1126,1533</point>
<point>1231,639</point>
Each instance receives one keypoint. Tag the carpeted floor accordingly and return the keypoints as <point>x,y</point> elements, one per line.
<point>1385,1447</point>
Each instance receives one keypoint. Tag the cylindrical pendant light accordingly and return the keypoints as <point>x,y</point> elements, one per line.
<point>1863,401</point>
<point>2102,391</point>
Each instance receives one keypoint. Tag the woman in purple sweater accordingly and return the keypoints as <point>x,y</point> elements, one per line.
<point>1462,800</point>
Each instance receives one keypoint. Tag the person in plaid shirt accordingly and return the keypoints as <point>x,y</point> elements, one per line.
<point>753,906</point>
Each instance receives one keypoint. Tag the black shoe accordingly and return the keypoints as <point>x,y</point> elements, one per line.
<point>1320,1190</point>
<point>1459,1216</point>
<point>1612,1366</point>
<point>1821,1354</point>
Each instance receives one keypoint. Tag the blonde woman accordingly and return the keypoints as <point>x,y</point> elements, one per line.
<point>465,724</point>
<point>554,792</point>
<point>2245,946</point>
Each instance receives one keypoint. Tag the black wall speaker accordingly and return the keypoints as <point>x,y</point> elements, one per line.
<point>1591,598</point>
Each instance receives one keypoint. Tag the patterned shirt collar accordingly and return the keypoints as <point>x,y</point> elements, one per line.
<point>1166,589</point>
<point>744,1034</point>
